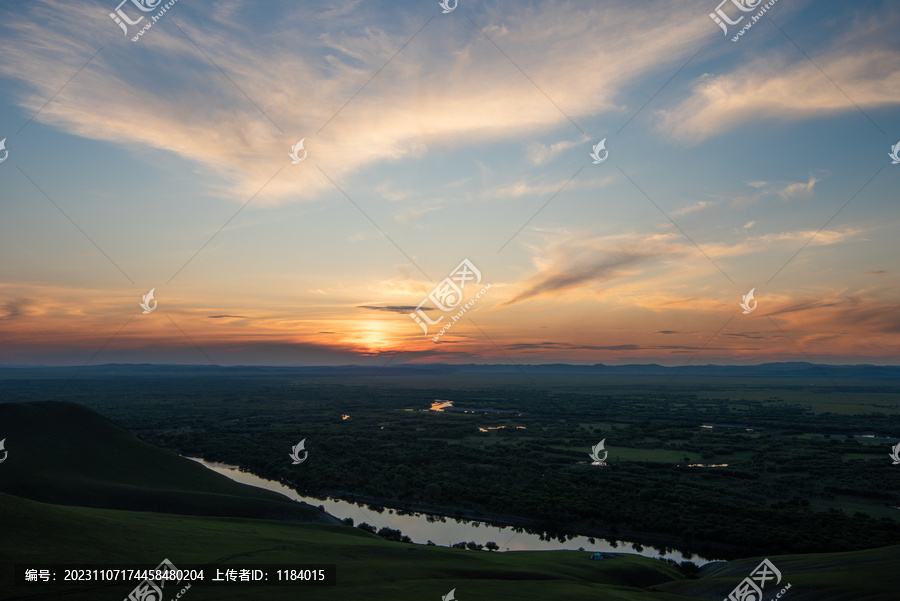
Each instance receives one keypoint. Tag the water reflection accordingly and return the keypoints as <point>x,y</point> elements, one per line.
<point>446,531</point>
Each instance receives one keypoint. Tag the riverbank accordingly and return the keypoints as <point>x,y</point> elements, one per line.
<point>447,525</point>
<point>660,542</point>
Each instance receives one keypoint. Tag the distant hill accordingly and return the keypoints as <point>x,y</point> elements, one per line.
<point>67,454</point>
<point>765,370</point>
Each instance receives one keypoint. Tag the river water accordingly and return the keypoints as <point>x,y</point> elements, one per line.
<point>444,531</point>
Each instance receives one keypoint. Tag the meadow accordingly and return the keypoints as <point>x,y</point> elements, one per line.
<point>797,475</point>
<point>79,489</point>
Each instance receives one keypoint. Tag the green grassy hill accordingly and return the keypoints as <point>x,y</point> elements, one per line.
<point>368,568</point>
<point>69,455</point>
<point>869,575</point>
<point>78,489</point>
<point>371,569</point>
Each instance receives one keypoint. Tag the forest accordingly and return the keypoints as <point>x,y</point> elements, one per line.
<point>800,466</point>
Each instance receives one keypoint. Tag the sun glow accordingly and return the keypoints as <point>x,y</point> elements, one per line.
<point>372,336</point>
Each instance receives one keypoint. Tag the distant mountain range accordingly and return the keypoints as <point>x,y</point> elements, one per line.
<point>765,370</point>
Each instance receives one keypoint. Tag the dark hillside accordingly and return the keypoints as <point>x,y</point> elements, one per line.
<point>67,454</point>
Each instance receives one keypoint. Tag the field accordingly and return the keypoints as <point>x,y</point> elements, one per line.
<point>97,458</point>
<point>795,475</point>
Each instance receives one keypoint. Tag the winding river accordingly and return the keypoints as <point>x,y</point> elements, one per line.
<point>445,531</point>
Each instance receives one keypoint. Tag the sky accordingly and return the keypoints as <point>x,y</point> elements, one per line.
<point>728,164</point>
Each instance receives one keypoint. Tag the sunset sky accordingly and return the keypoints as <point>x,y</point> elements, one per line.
<point>433,138</point>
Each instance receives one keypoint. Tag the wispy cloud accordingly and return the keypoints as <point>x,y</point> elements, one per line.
<point>592,347</point>
<point>17,308</point>
<point>402,309</point>
<point>798,190</point>
<point>788,87</point>
<point>299,77</point>
<point>526,187</point>
<point>697,206</point>
<point>584,262</point>
<point>539,154</point>
<point>868,313</point>
<point>569,264</point>
<point>410,214</point>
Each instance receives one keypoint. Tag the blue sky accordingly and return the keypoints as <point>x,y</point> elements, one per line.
<point>432,138</point>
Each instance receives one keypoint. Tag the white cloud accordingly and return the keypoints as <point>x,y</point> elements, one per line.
<point>524,187</point>
<point>570,266</point>
<point>413,213</point>
<point>697,206</point>
<point>786,191</point>
<point>791,89</point>
<point>449,86</point>
<point>539,154</point>
<point>799,190</point>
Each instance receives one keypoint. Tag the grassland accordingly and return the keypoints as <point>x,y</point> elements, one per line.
<point>800,478</point>
<point>86,464</point>
<point>798,475</point>
<point>68,454</point>
<point>369,568</point>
